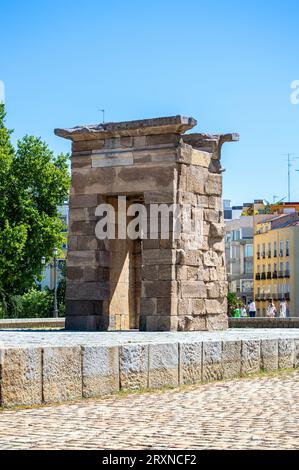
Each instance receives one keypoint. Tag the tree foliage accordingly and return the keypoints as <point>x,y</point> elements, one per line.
<point>33,183</point>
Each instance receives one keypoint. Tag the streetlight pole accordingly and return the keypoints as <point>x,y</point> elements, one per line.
<point>55,310</point>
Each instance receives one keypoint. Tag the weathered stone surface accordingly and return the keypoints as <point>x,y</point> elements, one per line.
<point>20,376</point>
<point>100,370</point>
<point>163,365</point>
<point>269,354</point>
<point>212,365</point>
<point>133,363</point>
<point>190,362</point>
<point>149,162</point>
<point>231,357</point>
<point>286,353</point>
<point>62,374</point>
<point>251,357</point>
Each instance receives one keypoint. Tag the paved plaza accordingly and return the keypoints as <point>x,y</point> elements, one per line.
<point>30,338</point>
<point>253,413</point>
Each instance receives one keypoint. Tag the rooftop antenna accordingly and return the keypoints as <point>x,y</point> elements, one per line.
<point>290,159</point>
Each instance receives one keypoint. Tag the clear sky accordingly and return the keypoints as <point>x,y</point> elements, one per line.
<point>229,64</point>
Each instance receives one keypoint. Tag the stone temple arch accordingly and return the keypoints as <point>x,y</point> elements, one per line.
<point>151,283</point>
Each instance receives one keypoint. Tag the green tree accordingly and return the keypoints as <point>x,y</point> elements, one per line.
<point>33,183</point>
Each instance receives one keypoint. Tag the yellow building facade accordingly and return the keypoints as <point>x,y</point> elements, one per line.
<point>276,263</point>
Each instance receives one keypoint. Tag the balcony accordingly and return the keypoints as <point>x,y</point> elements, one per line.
<point>281,274</point>
<point>263,276</point>
<point>287,273</point>
<point>269,254</point>
<point>258,276</point>
<point>269,275</point>
<point>274,275</point>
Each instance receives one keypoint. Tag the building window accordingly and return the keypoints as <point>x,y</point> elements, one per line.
<point>264,250</point>
<point>248,250</point>
<point>248,267</point>
<point>269,250</point>
<point>236,235</point>
<point>281,248</point>
<point>287,248</point>
<point>275,249</point>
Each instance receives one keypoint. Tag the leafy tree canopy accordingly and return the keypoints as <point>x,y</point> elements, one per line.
<point>33,183</point>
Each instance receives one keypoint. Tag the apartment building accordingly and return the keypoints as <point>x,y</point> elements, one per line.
<point>276,262</point>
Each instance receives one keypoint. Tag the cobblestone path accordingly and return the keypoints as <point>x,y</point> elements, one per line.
<point>253,413</point>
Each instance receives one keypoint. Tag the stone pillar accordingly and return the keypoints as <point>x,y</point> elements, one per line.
<point>177,283</point>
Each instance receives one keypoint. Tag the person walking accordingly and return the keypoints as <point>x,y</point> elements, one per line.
<point>252,309</point>
<point>283,309</point>
<point>271,310</point>
<point>243,312</point>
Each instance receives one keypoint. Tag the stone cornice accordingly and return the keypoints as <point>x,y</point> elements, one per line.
<point>164,125</point>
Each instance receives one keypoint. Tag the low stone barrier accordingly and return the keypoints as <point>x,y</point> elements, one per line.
<point>23,323</point>
<point>292,322</point>
<point>35,375</point>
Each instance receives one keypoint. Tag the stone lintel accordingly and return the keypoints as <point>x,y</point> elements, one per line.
<point>164,125</point>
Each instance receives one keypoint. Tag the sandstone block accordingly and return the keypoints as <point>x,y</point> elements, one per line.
<point>62,374</point>
<point>213,185</point>
<point>286,353</point>
<point>133,363</point>
<point>212,366</point>
<point>217,322</point>
<point>193,289</point>
<point>269,354</point>
<point>190,362</point>
<point>251,357</point>
<point>163,365</point>
<point>100,370</point>
<point>231,357</point>
<point>20,376</point>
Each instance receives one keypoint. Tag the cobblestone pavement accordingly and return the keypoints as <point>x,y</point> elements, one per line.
<point>260,412</point>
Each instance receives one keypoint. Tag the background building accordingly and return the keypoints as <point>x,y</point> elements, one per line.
<point>276,262</point>
<point>231,212</point>
<point>239,256</point>
<point>48,273</point>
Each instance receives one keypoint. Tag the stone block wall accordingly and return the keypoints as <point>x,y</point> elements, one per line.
<point>179,283</point>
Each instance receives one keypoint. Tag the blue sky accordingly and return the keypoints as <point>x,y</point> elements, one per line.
<point>229,64</point>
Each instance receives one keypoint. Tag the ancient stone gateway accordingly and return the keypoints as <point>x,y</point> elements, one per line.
<point>150,282</point>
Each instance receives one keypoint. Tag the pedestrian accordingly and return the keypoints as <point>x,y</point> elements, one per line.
<point>271,310</point>
<point>252,309</point>
<point>243,311</point>
<point>283,309</point>
<point>236,312</point>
